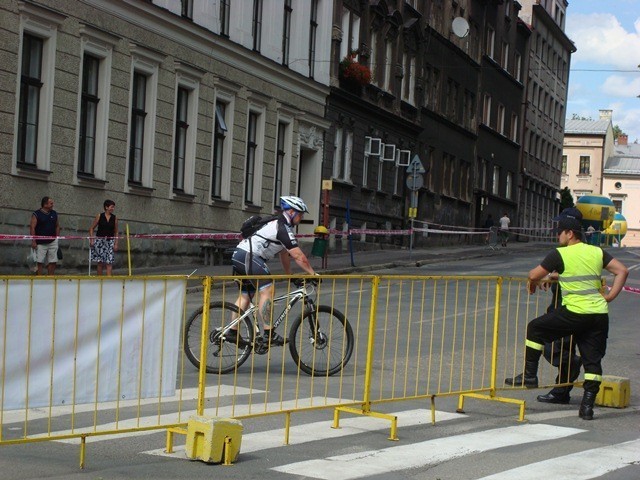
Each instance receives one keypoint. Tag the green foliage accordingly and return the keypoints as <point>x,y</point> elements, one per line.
<point>566,199</point>
<point>617,131</point>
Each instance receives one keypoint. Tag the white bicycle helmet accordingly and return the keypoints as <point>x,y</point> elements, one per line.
<point>295,203</point>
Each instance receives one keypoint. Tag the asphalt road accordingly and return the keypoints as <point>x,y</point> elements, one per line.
<point>466,446</point>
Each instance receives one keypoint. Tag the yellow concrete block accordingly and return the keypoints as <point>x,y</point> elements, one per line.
<point>614,392</point>
<point>206,438</point>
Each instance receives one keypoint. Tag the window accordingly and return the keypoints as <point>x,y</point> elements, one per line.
<point>518,67</point>
<point>617,204</point>
<point>225,10</point>
<point>373,59</point>
<point>350,33</point>
<point>388,49</point>
<point>138,116</point>
<point>505,55</point>
<point>486,110</point>
<point>585,161</point>
<point>380,176</point>
<point>256,30</point>
<point>219,140</point>
<point>142,116</point>
<point>88,114</point>
<point>490,45</point>
<point>408,90</point>
<point>514,128</point>
<point>30,87</point>
<point>187,9</point>
<point>35,99</point>
<point>509,186</point>
<point>93,108</point>
<point>283,161</point>
<point>313,28</point>
<point>286,32</point>
<point>342,154</point>
<point>180,148</point>
<point>500,125</point>
<point>495,187</point>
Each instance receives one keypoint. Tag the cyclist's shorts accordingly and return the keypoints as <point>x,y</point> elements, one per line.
<point>240,261</point>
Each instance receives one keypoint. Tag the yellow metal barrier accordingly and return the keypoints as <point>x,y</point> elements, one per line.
<point>87,356</point>
<point>355,342</point>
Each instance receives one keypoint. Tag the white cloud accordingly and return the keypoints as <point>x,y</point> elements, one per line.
<point>622,86</point>
<point>601,38</point>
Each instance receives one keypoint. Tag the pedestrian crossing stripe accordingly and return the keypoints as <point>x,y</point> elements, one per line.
<point>310,432</point>
<point>577,466</point>
<point>431,452</point>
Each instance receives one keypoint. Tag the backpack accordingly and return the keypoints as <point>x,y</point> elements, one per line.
<point>254,223</point>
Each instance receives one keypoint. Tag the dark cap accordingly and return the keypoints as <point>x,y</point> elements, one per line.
<point>570,212</point>
<point>569,223</point>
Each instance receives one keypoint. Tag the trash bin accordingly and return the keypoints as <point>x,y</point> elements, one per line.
<point>319,248</point>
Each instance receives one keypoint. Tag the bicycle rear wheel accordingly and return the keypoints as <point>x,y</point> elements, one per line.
<point>223,356</point>
<point>321,341</point>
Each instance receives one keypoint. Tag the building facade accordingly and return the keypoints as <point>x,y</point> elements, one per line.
<point>621,183</point>
<point>190,115</point>
<point>587,146</point>
<point>429,93</point>
<point>546,98</point>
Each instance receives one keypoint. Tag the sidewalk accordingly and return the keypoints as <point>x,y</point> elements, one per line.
<point>363,261</point>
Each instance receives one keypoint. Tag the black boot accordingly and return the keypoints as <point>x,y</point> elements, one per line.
<point>557,395</point>
<point>529,379</point>
<point>586,407</point>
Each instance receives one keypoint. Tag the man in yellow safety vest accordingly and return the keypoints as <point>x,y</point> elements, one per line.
<point>584,312</point>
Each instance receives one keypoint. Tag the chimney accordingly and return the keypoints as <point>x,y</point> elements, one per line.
<point>606,114</point>
<point>623,138</point>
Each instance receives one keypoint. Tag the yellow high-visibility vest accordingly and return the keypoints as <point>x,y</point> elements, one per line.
<point>581,279</point>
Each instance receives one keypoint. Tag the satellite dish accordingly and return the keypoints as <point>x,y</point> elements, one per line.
<point>460,27</point>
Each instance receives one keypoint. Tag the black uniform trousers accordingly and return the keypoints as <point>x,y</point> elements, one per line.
<point>589,330</point>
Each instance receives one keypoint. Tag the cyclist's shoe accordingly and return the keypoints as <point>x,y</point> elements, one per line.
<point>272,338</point>
<point>231,336</point>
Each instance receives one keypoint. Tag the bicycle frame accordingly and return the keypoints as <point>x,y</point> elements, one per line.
<point>292,297</point>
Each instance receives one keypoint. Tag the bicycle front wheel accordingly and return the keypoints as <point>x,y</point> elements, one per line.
<point>223,355</point>
<point>321,341</point>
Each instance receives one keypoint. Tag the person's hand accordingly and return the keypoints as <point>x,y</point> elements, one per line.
<point>531,287</point>
<point>115,247</point>
<point>34,244</point>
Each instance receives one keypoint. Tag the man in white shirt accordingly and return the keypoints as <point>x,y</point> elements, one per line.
<point>504,229</point>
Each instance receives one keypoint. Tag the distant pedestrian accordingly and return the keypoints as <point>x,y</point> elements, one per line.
<point>488,224</point>
<point>504,229</point>
<point>44,223</point>
<point>105,243</point>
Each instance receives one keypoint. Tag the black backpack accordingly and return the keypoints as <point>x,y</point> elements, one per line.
<point>254,223</point>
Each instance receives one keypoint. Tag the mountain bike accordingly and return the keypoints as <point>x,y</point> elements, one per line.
<point>320,339</point>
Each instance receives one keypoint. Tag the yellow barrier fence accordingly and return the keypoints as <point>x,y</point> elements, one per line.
<point>86,356</point>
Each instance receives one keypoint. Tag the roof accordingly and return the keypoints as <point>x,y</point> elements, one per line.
<point>625,160</point>
<point>587,127</point>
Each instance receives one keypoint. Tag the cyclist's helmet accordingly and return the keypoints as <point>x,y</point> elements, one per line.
<point>295,203</point>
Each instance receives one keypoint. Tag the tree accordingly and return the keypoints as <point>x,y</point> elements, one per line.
<point>566,199</point>
<point>617,131</point>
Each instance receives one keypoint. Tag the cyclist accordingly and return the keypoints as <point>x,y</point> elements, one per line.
<point>252,254</point>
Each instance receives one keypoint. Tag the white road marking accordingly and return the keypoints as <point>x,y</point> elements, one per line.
<point>310,432</point>
<point>577,466</point>
<point>188,394</point>
<point>183,417</point>
<point>430,452</point>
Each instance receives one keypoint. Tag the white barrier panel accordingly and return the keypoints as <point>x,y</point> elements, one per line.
<point>72,341</point>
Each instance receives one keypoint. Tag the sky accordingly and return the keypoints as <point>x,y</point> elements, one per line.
<point>605,70</point>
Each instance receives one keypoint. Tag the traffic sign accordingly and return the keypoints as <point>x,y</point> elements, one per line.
<point>415,182</point>
<point>416,165</point>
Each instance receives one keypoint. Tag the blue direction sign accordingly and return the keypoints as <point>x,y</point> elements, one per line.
<point>415,166</point>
